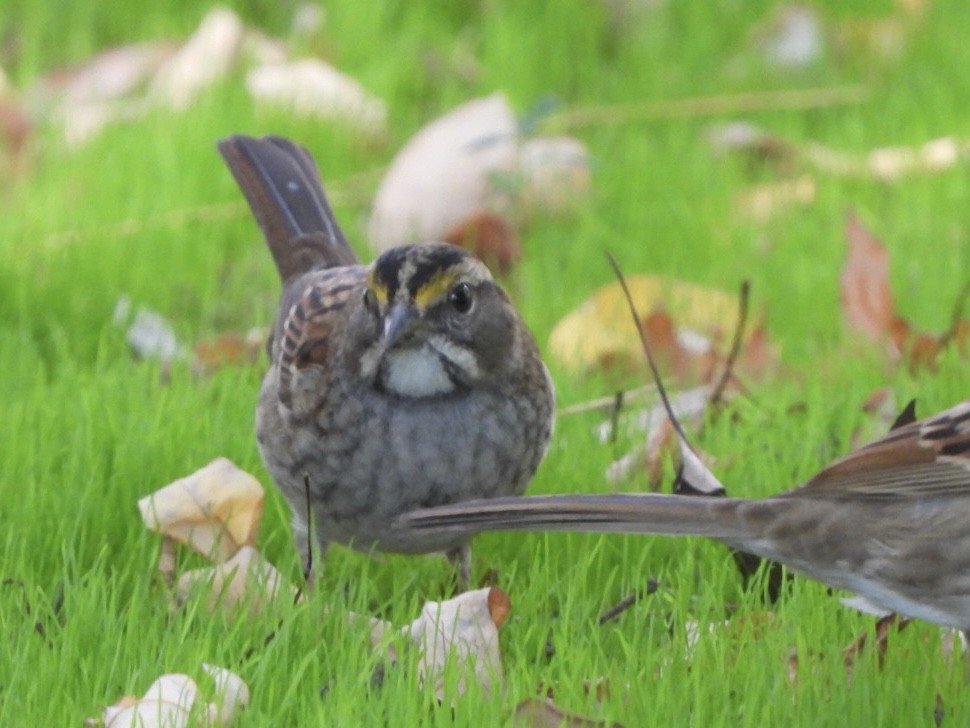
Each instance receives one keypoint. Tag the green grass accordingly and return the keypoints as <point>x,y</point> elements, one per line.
<point>85,430</point>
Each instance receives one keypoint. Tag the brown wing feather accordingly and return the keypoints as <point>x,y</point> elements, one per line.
<point>928,457</point>
<point>311,312</point>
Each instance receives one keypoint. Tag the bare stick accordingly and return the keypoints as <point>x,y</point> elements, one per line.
<point>624,604</point>
<point>661,390</point>
<point>732,358</point>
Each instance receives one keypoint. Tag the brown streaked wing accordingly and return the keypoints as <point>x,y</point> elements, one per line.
<point>926,458</point>
<point>306,329</point>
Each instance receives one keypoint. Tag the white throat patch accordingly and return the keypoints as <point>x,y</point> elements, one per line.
<point>416,373</point>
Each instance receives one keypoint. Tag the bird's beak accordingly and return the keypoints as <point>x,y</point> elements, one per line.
<point>397,322</point>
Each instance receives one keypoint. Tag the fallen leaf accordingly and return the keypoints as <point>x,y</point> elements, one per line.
<point>16,128</point>
<point>311,88</point>
<point>215,510</point>
<point>599,333</point>
<point>246,580</point>
<point>169,702</point>
<point>868,306</point>
<point>490,237</point>
<point>499,606</point>
<point>149,334</point>
<point>460,634</point>
<point>443,174</point>
<point>228,350</point>
<point>685,324</point>
<point>543,713</point>
<point>472,161</point>
<point>867,301</point>
<point>206,57</point>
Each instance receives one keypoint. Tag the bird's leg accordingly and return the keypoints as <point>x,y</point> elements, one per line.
<point>461,559</point>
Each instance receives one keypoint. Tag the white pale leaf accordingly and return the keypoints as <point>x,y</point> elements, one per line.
<point>309,87</point>
<point>444,174</point>
<point>459,633</point>
<point>215,510</point>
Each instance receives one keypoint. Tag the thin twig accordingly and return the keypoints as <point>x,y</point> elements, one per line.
<point>607,403</point>
<point>615,416</point>
<point>627,602</point>
<point>661,390</point>
<point>732,358</point>
<point>957,317</point>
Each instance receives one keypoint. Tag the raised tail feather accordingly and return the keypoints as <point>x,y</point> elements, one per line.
<point>717,518</point>
<point>283,189</point>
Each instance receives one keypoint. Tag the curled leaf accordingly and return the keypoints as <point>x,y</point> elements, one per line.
<point>215,511</point>
<point>461,633</point>
<point>246,579</point>
<point>598,333</point>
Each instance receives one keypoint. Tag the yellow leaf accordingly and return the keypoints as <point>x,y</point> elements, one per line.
<point>600,332</point>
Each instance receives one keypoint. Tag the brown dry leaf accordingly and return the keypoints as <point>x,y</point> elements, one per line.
<point>461,633</point>
<point>662,446</point>
<point>867,301</point>
<point>499,606</point>
<point>16,128</point>
<point>543,713</point>
<point>598,334</point>
<point>246,580</point>
<point>490,237</point>
<point>215,510</point>
<point>228,350</point>
<point>868,306</point>
<point>170,702</point>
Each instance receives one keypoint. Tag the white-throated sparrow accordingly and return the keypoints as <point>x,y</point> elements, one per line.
<point>889,522</point>
<point>409,383</point>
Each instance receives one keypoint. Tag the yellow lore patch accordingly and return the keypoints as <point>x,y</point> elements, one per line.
<point>377,288</point>
<point>436,287</point>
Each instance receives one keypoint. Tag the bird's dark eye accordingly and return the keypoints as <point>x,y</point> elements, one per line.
<point>370,301</point>
<point>460,298</point>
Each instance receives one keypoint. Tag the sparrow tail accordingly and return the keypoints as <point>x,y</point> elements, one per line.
<point>282,186</point>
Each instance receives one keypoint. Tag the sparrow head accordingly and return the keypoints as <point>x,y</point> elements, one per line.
<point>441,321</point>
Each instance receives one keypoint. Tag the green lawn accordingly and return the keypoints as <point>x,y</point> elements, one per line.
<point>140,210</point>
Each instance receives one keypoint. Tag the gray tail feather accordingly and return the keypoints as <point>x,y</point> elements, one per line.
<point>282,186</point>
<point>717,518</point>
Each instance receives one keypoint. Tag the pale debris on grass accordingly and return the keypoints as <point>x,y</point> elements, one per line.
<point>247,579</point>
<point>473,160</point>
<point>215,510</point>
<point>310,87</point>
<point>170,702</point>
<point>126,83</point>
<point>461,633</point>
